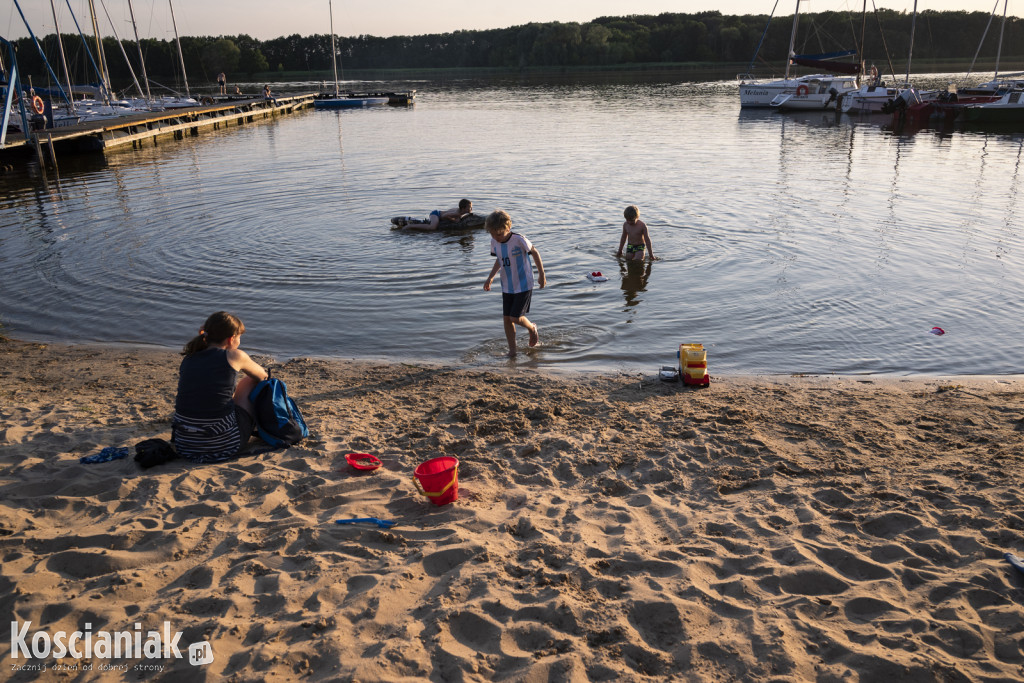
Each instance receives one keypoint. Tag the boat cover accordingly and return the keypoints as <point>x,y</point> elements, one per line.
<point>823,62</point>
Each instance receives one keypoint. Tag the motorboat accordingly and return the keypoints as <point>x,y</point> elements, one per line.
<point>870,98</point>
<point>1007,109</point>
<point>920,107</point>
<point>996,86</point>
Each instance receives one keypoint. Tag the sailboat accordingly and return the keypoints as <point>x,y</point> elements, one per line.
<point>1000,83</point>
<point>815,91</point>
<point>347,100</point>
<point>954,103</point>
<point>179,102</point>
<point>875,97</point>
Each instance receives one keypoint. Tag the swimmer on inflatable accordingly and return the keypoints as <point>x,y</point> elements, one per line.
<point>439,216</point>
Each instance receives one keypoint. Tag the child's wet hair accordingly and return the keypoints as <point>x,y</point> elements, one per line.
<point>498,220</point>
<point>465,205</point>
<point>631,213</point>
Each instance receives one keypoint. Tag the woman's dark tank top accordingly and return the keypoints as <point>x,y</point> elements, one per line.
<point>206,383</point>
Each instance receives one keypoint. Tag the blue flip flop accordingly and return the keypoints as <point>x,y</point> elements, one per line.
<point>382,523</point>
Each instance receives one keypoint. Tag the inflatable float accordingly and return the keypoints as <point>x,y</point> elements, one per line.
<point>470,220</point>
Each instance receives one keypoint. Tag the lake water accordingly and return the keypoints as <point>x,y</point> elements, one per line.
<point>788,243</point>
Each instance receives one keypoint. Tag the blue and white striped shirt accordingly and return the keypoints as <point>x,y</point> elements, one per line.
<point>516,269</point>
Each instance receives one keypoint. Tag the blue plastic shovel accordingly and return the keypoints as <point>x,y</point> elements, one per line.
<point>382,523</point>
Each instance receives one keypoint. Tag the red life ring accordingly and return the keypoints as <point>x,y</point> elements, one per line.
<point>802,90</point>
<point>37,104</point>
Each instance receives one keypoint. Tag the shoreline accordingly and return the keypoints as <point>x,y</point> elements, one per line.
<point>550,370</point>
<point>764,527</point>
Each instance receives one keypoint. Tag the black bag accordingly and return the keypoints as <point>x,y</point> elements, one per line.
<point>153,452</point>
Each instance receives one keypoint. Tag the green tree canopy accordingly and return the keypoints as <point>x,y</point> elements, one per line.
<point>221,56</point>
<point>669,37</point>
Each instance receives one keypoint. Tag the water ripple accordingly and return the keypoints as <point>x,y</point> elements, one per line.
<point>787,243</point>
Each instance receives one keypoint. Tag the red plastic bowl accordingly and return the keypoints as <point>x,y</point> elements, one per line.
<point>363,461</point>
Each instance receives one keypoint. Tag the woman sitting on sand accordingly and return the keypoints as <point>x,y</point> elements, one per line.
<point>213,417</point>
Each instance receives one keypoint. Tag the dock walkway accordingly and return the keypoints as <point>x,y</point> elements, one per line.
<point>137,129</point>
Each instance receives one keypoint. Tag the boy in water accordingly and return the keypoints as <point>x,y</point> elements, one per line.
<point>510,250</point>
<point>635,230</point>
<point>449,216</point>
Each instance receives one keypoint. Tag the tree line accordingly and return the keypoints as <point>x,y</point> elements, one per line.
<point>706,37</point>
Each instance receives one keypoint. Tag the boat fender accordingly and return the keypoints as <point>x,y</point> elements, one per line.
<point>37,104</point>
<point>802,90</point>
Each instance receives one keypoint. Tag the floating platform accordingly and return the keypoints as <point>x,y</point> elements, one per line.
<point>136,130</point>
<point>470,220</point>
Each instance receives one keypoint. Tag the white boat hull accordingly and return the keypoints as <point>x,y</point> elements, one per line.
<point>870,99</point>
<point>815,93</point>
<point>765,94</point>
<point>762,94</point>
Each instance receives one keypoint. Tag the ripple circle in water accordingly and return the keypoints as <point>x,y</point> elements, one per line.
<point>809,243</point>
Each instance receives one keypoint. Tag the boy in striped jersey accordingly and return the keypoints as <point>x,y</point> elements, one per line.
<point>510,251</point>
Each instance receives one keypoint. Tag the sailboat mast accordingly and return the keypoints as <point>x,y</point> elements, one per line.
<point>913,24</point>
<point>999,51</point>
<point>142,61</point>
<point>123,53</point>
<point>42,54</point>
<point>863,27</point>
<point>63,60</point>
<point>104,75</point>
<point>334,51</point>
<point>792,38</point>
<point>982,41</point>
<point>181,55</point>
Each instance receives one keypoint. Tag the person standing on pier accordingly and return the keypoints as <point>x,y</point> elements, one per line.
<point>222,81</point>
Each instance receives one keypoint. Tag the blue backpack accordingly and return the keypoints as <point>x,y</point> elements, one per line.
<point>278,419</point>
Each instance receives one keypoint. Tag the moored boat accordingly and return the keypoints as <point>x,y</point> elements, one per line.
<point>778,92</point>
<point>1007,109</point>
<point>920,107</point>
<point>350,100</point>
<point>868,99</point>
<point>821,92</point>
<point>996,86</point>
<point>755,93</point>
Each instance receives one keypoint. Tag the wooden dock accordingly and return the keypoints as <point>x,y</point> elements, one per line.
<point>136,130</point>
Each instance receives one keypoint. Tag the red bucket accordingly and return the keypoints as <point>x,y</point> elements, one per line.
<point>438,479</point>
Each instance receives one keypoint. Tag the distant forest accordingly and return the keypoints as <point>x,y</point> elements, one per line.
<point>707,37</point>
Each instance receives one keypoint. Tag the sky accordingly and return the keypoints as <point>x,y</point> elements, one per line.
<point>265,19</point>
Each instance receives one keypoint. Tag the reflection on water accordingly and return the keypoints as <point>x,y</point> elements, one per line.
<point>805,242</point>
<point>634,275</point>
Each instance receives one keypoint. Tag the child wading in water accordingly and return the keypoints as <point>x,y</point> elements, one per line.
<point>510,250</point>
<point>635,230</point>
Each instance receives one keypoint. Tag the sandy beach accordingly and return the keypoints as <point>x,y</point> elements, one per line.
<point>608,528</point>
